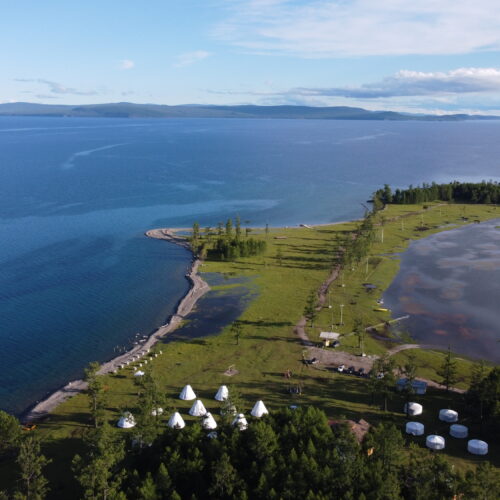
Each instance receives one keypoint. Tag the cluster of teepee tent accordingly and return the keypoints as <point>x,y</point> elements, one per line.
<point>198,410</point>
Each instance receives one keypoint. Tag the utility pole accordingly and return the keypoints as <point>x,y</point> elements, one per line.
<point>341,314</point>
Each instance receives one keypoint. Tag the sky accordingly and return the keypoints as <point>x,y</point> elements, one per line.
<point>421,56</point>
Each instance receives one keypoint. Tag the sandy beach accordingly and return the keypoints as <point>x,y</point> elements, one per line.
<point>198,288</point>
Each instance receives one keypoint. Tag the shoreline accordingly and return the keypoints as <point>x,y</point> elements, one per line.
<point>186,304</point>
<point>199,287</point>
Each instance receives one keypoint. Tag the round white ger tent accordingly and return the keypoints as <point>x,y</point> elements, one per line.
<point>413,409</point>
<point>448,415</point>
<point>176,421</point>
<point>127,421</point>
<point>415,428</point>
<point>139,373</point>
<point>435,442</point>
<point>477,447</point>
<point>222,393</point>
<point>459,431</point>
<point>197,410</point>
<point>209,422</point>
<point>187,393</point>
<point>259,409</point>
<point>241,422</point>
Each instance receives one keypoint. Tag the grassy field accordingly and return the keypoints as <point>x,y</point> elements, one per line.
<point>268,345</point>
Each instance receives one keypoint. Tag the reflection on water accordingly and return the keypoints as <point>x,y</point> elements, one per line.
<point>449,284</point>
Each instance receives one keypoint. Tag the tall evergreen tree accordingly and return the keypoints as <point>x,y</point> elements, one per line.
<point>448,371</point>
<point>95,392</point>
<point>31,462</point>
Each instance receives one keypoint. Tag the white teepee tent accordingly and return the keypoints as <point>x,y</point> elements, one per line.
<point>413,409</point>
<point>435,442</point>
<point>197,410</point>
<point>127,421</point>
<point>176,421</point>
<point>187,393</point>
<point>209,422</point>
<point>259,409</point>
<point>477,447</point>
<point>459,431</point>
<point>415,428</point>
<point>222,393</point>
<point>241,422</point>
<point>448,415</point>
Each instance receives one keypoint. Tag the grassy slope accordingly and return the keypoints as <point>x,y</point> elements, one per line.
<point>268,346</point>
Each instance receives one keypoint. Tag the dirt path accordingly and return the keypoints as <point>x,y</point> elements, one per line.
<point>198,288</point>
<point>332,358</point>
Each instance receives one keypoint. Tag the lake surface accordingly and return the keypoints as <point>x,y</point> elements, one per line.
<point>77,277</point>
<point>449,284</point>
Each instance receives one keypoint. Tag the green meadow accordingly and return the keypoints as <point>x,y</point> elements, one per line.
<point>268,345</point>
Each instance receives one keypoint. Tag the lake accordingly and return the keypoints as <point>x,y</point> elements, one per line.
<point>449,284</point>
<point>78,279</point>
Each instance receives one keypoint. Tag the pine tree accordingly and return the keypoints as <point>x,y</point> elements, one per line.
<point>95,392</point>
<point>310,310</point>
<point>448,371</point>
<point>31,462</point>
<point>10,433</point>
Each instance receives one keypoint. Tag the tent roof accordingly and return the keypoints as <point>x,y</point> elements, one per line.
<point>198,409</point>
<point>329,335</point>
<point>222,393</point>
<point>209,422</point>
<point>259,409</point>
<point>176,421</point>
<point>187,393</point>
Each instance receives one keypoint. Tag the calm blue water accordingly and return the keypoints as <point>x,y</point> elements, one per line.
<point>77,277</point>
<point>449,284</point>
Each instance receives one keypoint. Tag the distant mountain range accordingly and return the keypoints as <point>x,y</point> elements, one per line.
<point>131,110</point>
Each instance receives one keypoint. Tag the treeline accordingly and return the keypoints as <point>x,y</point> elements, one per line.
<point>226,242</point>
<point>285,455</point>
<point>459,192</point>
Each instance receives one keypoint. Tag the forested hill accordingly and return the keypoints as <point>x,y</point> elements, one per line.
<point>132,110</point>
<point>460,192</point>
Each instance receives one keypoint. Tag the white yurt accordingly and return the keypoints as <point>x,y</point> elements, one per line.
<point>448,415</point>
<point>187,393</point>
<point>197,410</point>
<point>435,442</point>
<point>413,409</point>
<point>209,422</point>
<point>222,393</point>
<point>459,431</point>
<point>415,428</point>
<point>127,421</point>
<point>477,447</point>
<point>241,422</point>
<point>139,373</point>
<point>176,421</point>
<point>259,409</point>
<point>156,412</point>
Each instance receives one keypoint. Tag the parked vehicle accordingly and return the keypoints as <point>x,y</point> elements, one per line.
<point>341,368</point>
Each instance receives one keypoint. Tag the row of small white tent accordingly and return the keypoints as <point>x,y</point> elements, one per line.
<point>418,429</point>
<point>445,415</point>
<point>187,393</point>
<point>176,421</point>
<point>435,442</point>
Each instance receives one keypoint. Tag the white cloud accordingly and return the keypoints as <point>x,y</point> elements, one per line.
<point>57,88</point>
<point>189,58</point>
<point>415,83</point>
<point>339,28</point>
<point>127,64</point>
